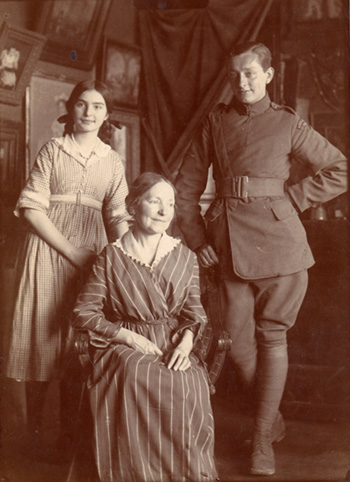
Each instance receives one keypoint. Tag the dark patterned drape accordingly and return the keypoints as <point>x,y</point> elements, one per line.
<point>183,65</point>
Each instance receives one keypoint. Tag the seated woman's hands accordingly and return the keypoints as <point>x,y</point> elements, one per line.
<point>178,359</point>
<point>138,342</point>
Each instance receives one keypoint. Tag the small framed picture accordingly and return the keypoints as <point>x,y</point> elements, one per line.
<point>11,183</point>
<point>45,102</point>
<point>73,31</point>
<point>19,51</point>
<point>126,141</point>
<point>11,160</point>
<point>121,67</point>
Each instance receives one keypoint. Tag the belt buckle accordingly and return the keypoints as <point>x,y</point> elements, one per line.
<point>239,183</point>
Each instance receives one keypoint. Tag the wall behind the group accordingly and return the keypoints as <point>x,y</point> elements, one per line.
<point>121,22</point>
<point>120,26</point>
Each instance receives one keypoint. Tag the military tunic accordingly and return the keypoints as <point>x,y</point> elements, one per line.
<point>257,236</point>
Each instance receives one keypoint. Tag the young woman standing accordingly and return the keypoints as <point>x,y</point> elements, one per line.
<point>73,202</point>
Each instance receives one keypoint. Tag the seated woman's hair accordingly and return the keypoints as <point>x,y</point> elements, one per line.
<point>140,186</point>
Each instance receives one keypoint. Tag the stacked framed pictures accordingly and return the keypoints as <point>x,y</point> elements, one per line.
<point>120,70</point>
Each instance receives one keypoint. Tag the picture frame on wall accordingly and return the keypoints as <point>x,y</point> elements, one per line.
<point>19,52</point>
<point>45,102</point>
<point>126,141</point>
<point>73,29</point>
<point>121,67</point>
<point>11,161</point>
<point>316,10</point>
<point>12,176</point>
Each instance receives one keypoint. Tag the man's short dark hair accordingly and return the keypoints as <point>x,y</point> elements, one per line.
<point>256,48</point>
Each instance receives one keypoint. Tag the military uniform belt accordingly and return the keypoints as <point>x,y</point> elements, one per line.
<point>242,187</point>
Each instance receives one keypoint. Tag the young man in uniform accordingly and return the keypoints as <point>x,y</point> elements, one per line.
<point>252,230</point>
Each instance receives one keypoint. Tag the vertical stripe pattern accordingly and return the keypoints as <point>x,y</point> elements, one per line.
<point>152,424</point>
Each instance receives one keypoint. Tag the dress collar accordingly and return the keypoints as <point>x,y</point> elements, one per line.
<point>68,145</point>
<point>128,244</point>
<point>252,109</point>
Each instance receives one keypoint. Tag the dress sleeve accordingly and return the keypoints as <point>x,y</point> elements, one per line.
<point>92,306</point>
<point>328,164</point>
<point>115,210</point>
<point>192,315</point>
<point>36,192</point>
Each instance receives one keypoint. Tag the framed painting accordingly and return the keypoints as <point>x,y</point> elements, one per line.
<point>121,67</point>
<point>11,182</point>
<point>19,51</point>
<point>45,102</point>
<point>126,141</point>
<point>73,30</point>
<point>11,161</point>
<point>311,10</point>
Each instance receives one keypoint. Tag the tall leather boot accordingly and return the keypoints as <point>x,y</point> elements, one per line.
<point>271,378</point>
<point>246,375</point>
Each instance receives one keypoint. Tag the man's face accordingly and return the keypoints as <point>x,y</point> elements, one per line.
<point>247,78</point>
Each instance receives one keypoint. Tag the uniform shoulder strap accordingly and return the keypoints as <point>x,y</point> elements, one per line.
<point>301,122</point>
<point>283,107</point>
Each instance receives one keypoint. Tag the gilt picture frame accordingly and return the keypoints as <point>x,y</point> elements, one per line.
<point>19,52</point>
<point>73,29</point>
<point>11,160</point>
<point>121,67</point>
<point>45,101</point>
<point>126,141</point>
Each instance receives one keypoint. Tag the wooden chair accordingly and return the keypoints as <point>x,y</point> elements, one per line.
<point>213,348</point>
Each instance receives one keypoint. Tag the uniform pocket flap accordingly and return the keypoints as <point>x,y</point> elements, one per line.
<point>283,209</point>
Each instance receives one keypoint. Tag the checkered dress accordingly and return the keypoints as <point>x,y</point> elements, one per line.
<point>71,193</point>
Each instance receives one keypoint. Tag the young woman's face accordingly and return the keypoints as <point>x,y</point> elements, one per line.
<point>89,111</point>
<point>155,211</point>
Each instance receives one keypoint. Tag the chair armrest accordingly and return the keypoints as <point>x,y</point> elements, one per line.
<point>216,341</point>
<point>82,345</point>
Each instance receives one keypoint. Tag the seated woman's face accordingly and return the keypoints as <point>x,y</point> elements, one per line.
<point>156,209</point>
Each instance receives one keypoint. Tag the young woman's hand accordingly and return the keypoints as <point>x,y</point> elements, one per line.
<point>82,257</point>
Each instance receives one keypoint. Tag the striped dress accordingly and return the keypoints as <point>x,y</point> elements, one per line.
<point>70,191</point>
<point>151,424</point>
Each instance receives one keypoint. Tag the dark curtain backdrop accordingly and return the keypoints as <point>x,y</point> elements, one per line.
<point>183,69</point>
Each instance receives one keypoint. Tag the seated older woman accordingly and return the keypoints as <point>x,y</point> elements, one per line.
<point>148,390</point>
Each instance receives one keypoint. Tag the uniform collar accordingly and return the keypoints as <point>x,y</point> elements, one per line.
<point>252,109</point>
